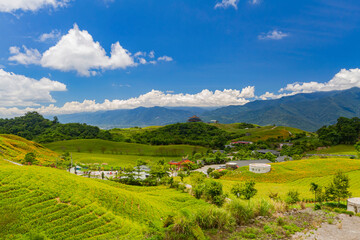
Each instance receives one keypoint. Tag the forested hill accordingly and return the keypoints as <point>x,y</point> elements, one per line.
<point>305,111</point>
<point>35,127</point>
<point>187,133</point>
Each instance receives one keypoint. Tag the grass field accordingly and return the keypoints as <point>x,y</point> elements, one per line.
<point>341,149</point>
<point>261,133</point>
<point>53,203</point>
<point>15,148</point>
<point>122,148</point>
<point>297,175</point>
<point>120,154</point>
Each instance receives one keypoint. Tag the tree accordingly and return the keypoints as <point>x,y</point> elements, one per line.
<point>244,190</point>
<point>30,158</point>
<point>357,147</point>
<point>317,190</point>
<point>338,188</point>
<point>269,156</point>
<point>214,192</point>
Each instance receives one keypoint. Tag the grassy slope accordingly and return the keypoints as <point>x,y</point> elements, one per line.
<point>109,147</point>
<point>341,149</point>
<point>261,133</point>
<point>15,148</point>
<point>120,154</point>
<point>81,208</point>
<point>297,175</point>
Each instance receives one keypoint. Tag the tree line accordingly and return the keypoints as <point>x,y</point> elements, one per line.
<point>35,127</point>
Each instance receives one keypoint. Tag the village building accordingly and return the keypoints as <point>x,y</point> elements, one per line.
<point>241,143</point>
<point>180,165</point>
<point>259,168</point>
<point>194,119</point>
<point>353,205</point>
<point>264,151</point>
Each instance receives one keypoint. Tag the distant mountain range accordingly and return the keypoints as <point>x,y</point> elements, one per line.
<point>308,111</point>
<point>140,117</point>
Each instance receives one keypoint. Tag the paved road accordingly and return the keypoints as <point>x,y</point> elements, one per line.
<point>13,162</point>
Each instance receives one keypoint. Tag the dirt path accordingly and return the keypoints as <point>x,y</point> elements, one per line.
<point>13,162</point>
<point>347,228</point>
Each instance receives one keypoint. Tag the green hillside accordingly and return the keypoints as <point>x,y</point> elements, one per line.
<point>15,148</point>
<point>53,203</point>
<point>122,148</point>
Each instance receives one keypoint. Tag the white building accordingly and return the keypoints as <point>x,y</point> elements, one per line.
<point>259,168</point>
<point>353,204</point>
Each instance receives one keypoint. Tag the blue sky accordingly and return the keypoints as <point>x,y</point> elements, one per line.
<point>56,55</point>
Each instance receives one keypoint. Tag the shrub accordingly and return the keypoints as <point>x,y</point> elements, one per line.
<point>198,190</point>
<point>274,196</point>
<point>214,192</point>
<point>245,191</point>
<point>292,197</point>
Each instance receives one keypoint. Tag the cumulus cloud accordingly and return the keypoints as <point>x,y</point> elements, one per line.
<point>345,79</point>
<point>54,34</point>
<point>19,90</point>
<point>205,98</point>
<point>227,4</point>
<point>30,5</point>
<point>77,51</point>
<point>273,35</point>
<point>29,56</point>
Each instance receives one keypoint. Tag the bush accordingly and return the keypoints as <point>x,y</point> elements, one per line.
<point>214,192</point>
<point>292,197</point>
<point>198,190</point>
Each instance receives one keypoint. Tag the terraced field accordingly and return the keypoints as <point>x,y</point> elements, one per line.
<point>53,203</point>
<point>15,148</point>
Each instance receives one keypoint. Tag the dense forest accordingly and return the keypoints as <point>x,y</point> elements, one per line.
<point>345,131</point>
<point>186,133</point>
<point>35,127</point>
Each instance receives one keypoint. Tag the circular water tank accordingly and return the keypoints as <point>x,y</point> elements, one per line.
<point>353,204</point>
<point>259,168</point>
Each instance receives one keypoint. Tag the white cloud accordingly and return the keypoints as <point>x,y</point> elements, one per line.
<point>152,54</point>
<point>29,56</point>
<point>205,98</point>
<point>165,59</point>
<point>345,79</point>
<point>273,35</point>
<point>54,34</point>
<point>29,5</point>
<point>18,90</point>
<point>77,51</point>
<point>227,3</point>
<point>254,1</point>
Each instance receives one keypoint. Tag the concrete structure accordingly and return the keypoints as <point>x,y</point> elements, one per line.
<point>231,165</point>
<point>264,151</point>
<point>259,168</point>
<point>353,204</point>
